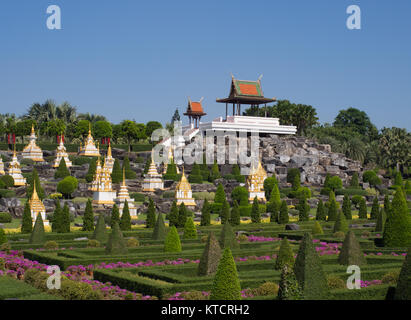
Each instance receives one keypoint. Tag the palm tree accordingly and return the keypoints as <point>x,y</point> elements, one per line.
<point>66,112</point>
<point>91,117</point>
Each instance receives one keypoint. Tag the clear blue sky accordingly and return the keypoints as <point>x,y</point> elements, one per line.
<point>141,59</point>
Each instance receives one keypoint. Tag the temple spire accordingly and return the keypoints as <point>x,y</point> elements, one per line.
<point>124,176</point>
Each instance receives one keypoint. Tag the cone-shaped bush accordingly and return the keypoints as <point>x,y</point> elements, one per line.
<point>387,205</point>
<point>321,214</point>
<point>317,229</point>
<point>303,209</point>
<point>62,170</point>
<point>205,214</point>
<point>38,236</point>
<point>147,165</point>
<point>255,211</point>
<point>172,242</point>
<point>65,220</point>
<point>288,288</point>
<point>285,255</point>
<point>151,214</point>
<point>346,207</point>
<point>403,289</point>
<point>332,207</point>
<point>225,212</point>
<point>215,172</point>
<point>27,223</point>
<point>159,232</point>
<point>115,216</point>
<point>309,272</point>
<point>116,243</point>
<point>116,174</point>
<point>397,230</point>
<point>195,175</point>
<point>341,224</point>
<point>91,170</point>
<point>130,174</point>
<point>173,215</point>
<point>190,231</point>
<point>375,209</point>
<point>182,215</point>
<point>88,218</point>
<point>220,195</point>
<point>283,218</point>
<point>125,220</point>
<point>227,238</point>
<point>351,253</point>
<point>210,257</point>
<point>226,285</point>
<point>100,233</point>
<point>235,215</point>
<point>57,218</point>
<point>275,197</point>
<point>362,211</point>
<point>354,183</point>
<point>382,217</point>
<point>274,210</point>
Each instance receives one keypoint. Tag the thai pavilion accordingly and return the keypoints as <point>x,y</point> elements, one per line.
<point>14,170</point>
<point>60,154</point>
<point>184,193</point>
<point>32,150</point>
<point>89,148</point>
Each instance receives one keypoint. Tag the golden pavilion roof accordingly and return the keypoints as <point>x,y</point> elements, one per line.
<point>183,185</point>
<point>36,205</point>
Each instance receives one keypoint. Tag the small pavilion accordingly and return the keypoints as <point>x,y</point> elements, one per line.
<point>195,112</point>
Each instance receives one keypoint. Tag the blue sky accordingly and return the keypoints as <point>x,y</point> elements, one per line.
<point>141,59</point>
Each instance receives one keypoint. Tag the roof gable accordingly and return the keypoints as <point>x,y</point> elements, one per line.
<point>246,88</point>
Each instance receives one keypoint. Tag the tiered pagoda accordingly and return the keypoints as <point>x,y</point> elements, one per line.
<point>122,196</point>
<point>60,154</point>
<point>96,177</point>
<point>194,112</point>
<point>152,180</point>
<point>14,170</point>
<point>255,182</point>
<point>109,160</point>
<point>2,167</point>
<point>184,193</point>
<point>32,150</point>
<point>89,149</point>
<point>37,207</point>
<point>102,187</point>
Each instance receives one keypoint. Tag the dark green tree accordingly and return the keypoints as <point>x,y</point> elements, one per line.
<point>381,219</point>
<point>62,170</point>
<point>321,215</point>
<point>351,253</point>
<point>362,211</point>
<point>288,288</point>
<point>375,209</point>
<point>130,174</point>
<point>91,170</point>
<point>220,195</point>
<point>182,215</point>
<point>332,207</point>
<point>309,272</point>
<point>172,242</point>
<point>354,183</point>
<point>190,231</point>
<point>116,243</point>
<point>38,236</point>
<point>285,255</point>
<point>269,184</point>
<point>195,175</point>
<point>27,222</point>
<point>283,218</point>
<point>151,214</point>
<point>125,220</point>
<point>88,218</point>
<point>303,210</point>
<point>115,216</point>
<point>341,224</point>
<point>255,212</point>
<point>403,289</point>
<point>100,232</point>
<point>215,172</point>
<point>57,218</point>
<point>235,215</point>
<point>227,237</point>
<point>160,231</point>
<point>173,215</point>
<point>210,258</point>
<point>225,212</point>
<point>34,179</point>
<point>226,285</point>
<point>205,214</point>
<point>116,174</point>
<point>346,207</point>
<point>65,220</point>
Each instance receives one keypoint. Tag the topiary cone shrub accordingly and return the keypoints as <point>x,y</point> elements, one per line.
<point>100,232</point>
<point>116,243</point>
<point>38,236</point>
<point>341,225</point>
<point>351,253</point>
<point>211,256</point>
<point>403,289</point>
<point>227,237</point>
<point>125,220</point>
<point>226,285</point>
<point>288,288</point>
<point>285,255</point>
<point>62,170</point>
<point>27,222</point>
<point>88,218</point>
<point>317,229</point>
<point>309,272</point>
<point>321,214</point>
<point>190,231</point>
<point>172,242</point>
<point>160,231</point>
<point>381,219</point>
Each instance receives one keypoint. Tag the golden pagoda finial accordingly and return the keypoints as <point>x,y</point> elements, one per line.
<point>89,128</point>
<point>124,176</point>
<point>32,128</point>
<point>34,195</point>
<point>98,161</point>
<point>14,151</point>
<point>109,149</point>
